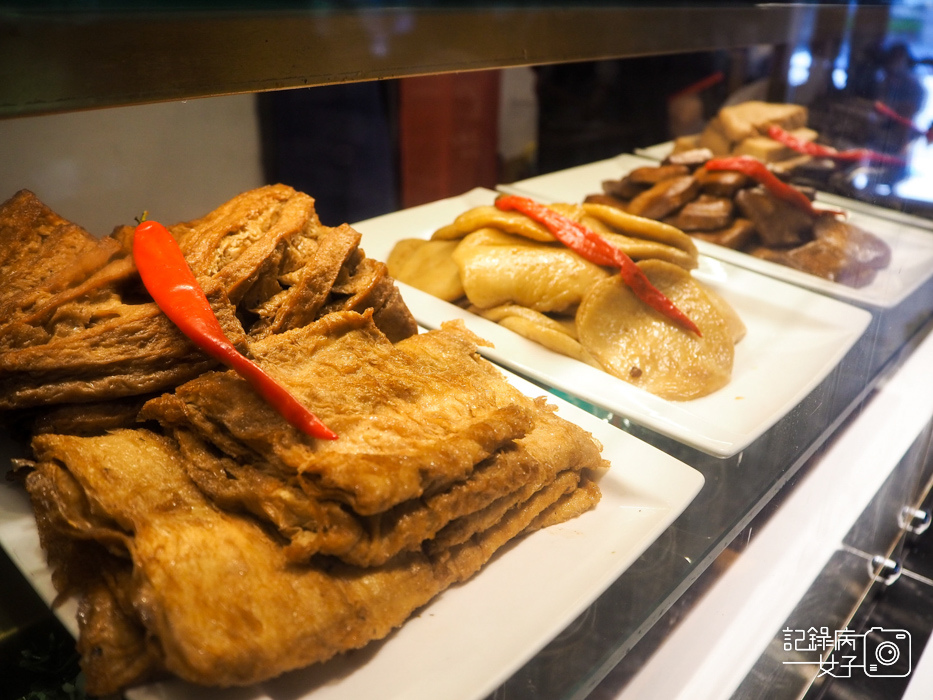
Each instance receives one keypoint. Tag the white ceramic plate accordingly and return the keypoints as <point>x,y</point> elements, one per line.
<point>911,248</point>
<point>471,638</point>
<point>794,339</point>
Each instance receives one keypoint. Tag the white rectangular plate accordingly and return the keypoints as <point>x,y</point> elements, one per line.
<point>911,247</point>
<point>471,638</point>
<point>794,339</point>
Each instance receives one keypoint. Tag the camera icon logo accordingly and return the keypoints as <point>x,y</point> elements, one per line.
<point>879,652</point>
<point>887,653</point>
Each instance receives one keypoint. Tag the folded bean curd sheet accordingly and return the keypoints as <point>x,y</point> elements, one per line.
<point>203,535</point>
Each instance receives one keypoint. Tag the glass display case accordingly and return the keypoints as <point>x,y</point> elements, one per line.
<point>802,526</point>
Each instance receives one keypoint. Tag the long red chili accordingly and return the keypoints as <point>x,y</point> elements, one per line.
<point>167,277</point>
<point>593,247</point>
<point>890,113</point>
<point>854,155</point>
<point>758,171</point>
<point>882,108</point>
<point>800,145</point>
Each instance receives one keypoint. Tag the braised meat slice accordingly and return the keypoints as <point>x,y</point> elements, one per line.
<point>728,208</point>
<point>822,259</point>
<point>861,247</point>
<point>623,189</point>
<point>705,213</point>
<point>607,199</point>
<point>721,183</point>
<point>665,197</point>
<point>739,233</point>
<point>693,158</point>
<point>653,174</point>
<point>778,223</point>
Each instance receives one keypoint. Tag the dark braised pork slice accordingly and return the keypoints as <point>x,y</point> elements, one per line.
<point>665,197</point>
<point>778,223</point>
<point>705,213</point>
<point>727,208</point>
<point>623,189</point>
<point>692,158</point>
<point>606,199</point>
<point>841,252</point>
<point>861,247</point>
<point>653,174</point>
<point>735,236</point>
<point>721,183</point>
<point>822,259</point>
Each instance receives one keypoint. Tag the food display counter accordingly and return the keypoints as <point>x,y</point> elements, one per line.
<point>808,478</point>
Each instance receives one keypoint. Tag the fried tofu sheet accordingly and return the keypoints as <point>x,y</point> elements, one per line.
<point>429,432</point>
<point>203,535</point>
<point>214,566</point>
<point>208,595</point>
<point>76,326</point>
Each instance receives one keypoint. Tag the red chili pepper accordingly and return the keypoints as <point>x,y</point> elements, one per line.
<point>593,247</point>
<point>800,145</point>
<point>758,171</point>
<point>167,277</point>
<point>868,157</point>
<point>855,155</point>
<point>882,108</point>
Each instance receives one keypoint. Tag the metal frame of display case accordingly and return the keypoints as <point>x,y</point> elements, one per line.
<point>57,60</point>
